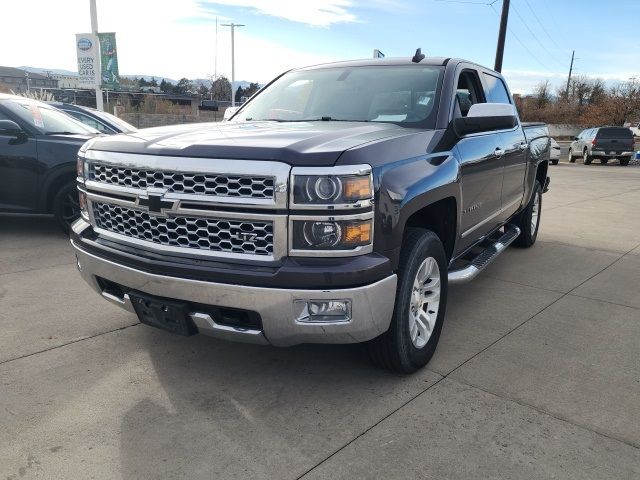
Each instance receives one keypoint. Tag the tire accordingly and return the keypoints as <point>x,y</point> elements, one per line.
<point>66,206</point>
<point>554,162</point>
<point>400,348</point>
<point>572,159</point>
<point>624,161</point>
<point>529,219</point>
<point>604,161</point>
<point>586,158</point>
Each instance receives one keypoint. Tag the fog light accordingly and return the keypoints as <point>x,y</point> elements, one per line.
<point>322,311</point>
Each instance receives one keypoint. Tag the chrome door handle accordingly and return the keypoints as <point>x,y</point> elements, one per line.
<point>499,152</point>
<point>524,146</point>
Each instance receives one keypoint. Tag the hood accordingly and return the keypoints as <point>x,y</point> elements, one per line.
<point>296,143</point>
<point>70,138</point>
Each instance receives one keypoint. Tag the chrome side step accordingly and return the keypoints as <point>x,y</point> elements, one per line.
<point>483,260</point>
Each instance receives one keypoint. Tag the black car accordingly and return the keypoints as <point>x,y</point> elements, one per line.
<point>603,143</point>
<point>102,121</point>
<point>38,150</point>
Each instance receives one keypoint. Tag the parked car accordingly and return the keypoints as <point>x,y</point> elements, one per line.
<point>38,150</point>
<point>101,121</point>
<point>336,206</point>
<point>603,143</point>
<point>554,156</point>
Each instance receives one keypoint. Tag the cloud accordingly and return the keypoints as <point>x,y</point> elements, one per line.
<point>318,13</point>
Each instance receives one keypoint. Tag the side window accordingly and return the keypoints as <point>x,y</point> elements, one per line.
<point>468,93</point>
<point>496,90</point>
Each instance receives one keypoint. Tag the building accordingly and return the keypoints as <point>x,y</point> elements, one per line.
<point>21,80</point>
<point>66,81</point>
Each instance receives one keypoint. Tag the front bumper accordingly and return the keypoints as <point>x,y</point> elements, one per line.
<point>371,305</point>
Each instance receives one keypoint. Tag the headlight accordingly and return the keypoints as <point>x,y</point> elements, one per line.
<point>82,200</point>
<point>345,186</point>
<point>80,167</point>
<point>331,234</point>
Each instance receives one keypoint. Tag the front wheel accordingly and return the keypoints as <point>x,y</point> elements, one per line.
<point>529,219</point>
<point>421,300</point>
<point>66,206</point>
<point>572,159</point>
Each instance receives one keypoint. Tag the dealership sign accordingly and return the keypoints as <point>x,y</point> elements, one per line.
<point>87,51</point>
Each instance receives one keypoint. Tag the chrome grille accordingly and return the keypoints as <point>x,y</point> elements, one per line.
<point>203,233</point>
<point>221,185</point>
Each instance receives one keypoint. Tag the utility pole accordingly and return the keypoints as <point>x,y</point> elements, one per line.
<point>570,72</point>
<point>502,35</point>
<point>233,63</point>
<point>94,31</point>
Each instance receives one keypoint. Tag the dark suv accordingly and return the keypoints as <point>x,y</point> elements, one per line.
<point>38,150</point>
<point>603,143</point>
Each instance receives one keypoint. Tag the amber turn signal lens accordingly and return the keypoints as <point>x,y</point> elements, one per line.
<point>357,233</point>
<point>357,188</point>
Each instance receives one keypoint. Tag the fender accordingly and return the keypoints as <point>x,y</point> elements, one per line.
<point>54,178</point>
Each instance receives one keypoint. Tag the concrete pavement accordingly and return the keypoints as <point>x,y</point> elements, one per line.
<point>536,374</point>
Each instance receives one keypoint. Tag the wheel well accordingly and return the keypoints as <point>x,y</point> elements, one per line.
<point>54,187</point>
<point>541,173</point>
<point>439,217</point>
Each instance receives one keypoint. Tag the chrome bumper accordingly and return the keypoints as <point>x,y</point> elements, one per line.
<point>371,305</point>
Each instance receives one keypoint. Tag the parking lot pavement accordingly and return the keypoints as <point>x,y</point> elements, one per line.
<point>536,375</point>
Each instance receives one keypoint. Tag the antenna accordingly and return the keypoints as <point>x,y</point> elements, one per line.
<point>418,57</point>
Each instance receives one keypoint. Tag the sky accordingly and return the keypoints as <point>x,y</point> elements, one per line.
<point>178,38</point>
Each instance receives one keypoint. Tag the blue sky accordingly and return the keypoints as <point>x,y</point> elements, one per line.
<point>281,34</point>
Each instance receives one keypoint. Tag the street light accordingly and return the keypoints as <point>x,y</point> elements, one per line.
<point>233,66</point>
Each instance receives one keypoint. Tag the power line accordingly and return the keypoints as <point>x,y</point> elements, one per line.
<point>522,44</point>
<point>544,29</point>
<point>515,9</point>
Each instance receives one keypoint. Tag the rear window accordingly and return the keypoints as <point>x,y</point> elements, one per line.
<point>614,133</point>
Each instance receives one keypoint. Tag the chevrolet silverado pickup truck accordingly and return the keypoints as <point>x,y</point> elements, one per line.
<point>336,206</point>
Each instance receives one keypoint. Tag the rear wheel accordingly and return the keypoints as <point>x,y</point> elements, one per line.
<point>421,299</point>
<point>529,219</point>
<point>586,158</point>
<point>66,206</point>
<point>554,162</point>
<point>624,161</point>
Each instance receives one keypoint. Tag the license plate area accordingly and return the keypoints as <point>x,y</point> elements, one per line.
<point>169,315</point>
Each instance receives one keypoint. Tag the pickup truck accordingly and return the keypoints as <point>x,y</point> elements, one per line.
<point>336,206</point>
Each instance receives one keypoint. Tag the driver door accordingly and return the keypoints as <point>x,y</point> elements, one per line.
<point>481,167</point>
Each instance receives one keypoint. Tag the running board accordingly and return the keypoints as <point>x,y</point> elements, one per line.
<point>485,258</point>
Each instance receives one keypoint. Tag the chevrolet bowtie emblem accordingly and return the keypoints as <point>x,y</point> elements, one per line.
<point>155,202</point>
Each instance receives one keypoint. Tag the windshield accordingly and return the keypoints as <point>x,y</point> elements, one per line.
<point>399,94</point>
<point>121,124</point>
<point>45,119</point>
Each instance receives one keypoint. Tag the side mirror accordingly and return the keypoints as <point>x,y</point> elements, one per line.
<point>486,117</point>
<point>9,127</point>
<point>576,138</point>
<point>229,112</point>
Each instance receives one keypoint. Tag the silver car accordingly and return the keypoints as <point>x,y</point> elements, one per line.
<point>554,154</point>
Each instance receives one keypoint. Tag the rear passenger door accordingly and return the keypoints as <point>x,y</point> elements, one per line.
<point>514,147</point>
<point>480,165</point>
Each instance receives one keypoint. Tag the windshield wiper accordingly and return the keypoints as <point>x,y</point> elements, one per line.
<point>63,133</point>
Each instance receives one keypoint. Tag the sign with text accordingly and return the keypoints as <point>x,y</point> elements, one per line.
<point>88,53</point>
<point>109,75</point>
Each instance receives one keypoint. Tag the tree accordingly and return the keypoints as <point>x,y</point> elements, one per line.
<point>166,87</point>
<point>153,82</point>
<point>203,91</point>
<point>251,89</point>
<point>542,94</point>
<point>221,89</point>
<point>239,94</point>
<point>184,86</point>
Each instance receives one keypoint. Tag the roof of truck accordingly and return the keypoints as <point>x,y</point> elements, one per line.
<point>432,61</point>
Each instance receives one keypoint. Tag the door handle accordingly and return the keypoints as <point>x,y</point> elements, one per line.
<point>499,152</point>
<point>524,146</point>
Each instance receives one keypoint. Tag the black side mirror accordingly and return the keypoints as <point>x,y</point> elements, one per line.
<point>576,138</point>
<point>467,125</point>
<point>10,127</point>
